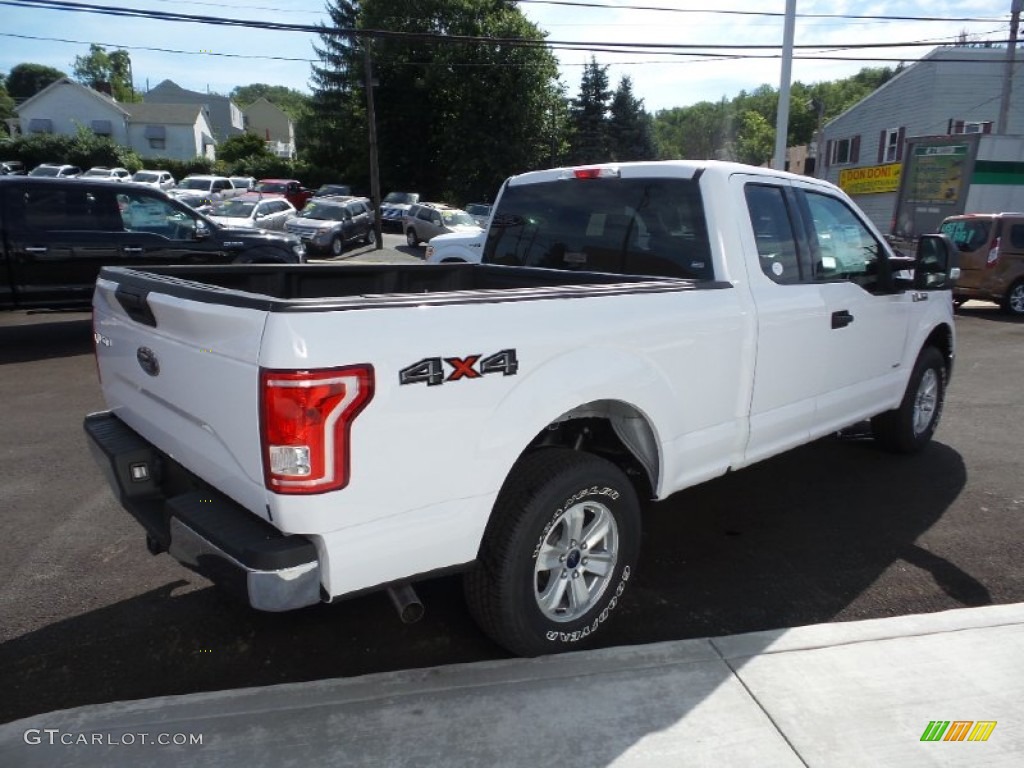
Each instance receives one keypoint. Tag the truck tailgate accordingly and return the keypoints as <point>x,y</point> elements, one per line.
<point>185,375</point>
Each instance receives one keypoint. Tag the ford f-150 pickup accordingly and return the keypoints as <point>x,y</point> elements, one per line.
<point>304,433</point>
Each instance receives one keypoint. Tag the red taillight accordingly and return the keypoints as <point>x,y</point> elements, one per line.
<point>595,173</point>
<point>305,425</point>
<point>993,254</point>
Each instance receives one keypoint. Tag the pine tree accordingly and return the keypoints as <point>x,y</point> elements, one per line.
<point>589,117</point>
<point>629,127</point>
<point>335,125</point>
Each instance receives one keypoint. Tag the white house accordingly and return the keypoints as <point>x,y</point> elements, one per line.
<point>64,105</point>
<point>174,131</point>
<point>272,124</point>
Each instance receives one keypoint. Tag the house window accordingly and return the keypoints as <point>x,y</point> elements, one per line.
<point>970,126</point>
<point>157,143</point>
<point>891,146</point>
<point>844,151</point>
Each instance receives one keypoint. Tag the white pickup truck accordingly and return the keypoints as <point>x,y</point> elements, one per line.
<point>305,433</point>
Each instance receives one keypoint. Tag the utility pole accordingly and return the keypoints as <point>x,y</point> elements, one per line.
<point>371,118</point>
<point>1011,52</point>
<point>782,117</point>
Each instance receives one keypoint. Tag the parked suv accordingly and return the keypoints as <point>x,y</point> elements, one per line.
<point>159,179</point>
<point>201,191</point>
<point>56,234</point>
<point>426,220</point>
<point>55,169</point>
<point>991,258</point>
<point>393,208</point>
<point>329,223</point>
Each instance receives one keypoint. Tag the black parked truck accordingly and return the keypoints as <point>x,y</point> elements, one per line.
<point>56,234</point>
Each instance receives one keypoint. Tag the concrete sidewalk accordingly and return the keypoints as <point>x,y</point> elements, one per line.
<point>844,694</point>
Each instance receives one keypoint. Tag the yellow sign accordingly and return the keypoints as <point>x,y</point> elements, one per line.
<point>870,180</point>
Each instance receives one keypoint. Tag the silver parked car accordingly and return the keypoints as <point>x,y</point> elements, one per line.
<point>159,179</point>
<point>253,211</point>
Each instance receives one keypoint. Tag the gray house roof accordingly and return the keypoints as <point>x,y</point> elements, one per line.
<point>219,107</point>
<point>166,114</point>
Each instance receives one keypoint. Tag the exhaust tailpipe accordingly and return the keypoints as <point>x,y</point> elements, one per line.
<point>406,602</point>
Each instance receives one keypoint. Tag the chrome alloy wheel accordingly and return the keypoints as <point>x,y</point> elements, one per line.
<point>576,561</point>
<point>926,400</point>
<point>1015,301</point>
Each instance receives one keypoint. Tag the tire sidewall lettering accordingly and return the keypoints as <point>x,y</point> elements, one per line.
<point>601,618</point>
<point>575,498</point>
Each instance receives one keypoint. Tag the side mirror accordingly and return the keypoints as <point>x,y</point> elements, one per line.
<point>936,264</point>
<point>202,231</point>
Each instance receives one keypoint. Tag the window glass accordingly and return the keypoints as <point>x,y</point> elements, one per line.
<point>634,226</point>
<point>967,234</point>
<point>70,210</point>
<point>844,247</point>
<point>773,233</point>
<point>143,213</point>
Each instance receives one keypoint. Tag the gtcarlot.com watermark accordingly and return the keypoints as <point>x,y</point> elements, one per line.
<point>55,736</point>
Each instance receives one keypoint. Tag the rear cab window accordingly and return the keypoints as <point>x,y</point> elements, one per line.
<point>641,226</point>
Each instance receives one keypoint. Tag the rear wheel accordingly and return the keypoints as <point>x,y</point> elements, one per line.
<point>1014,301</point>
<point>908,428</point>
<point>558,553</point>
<point>411,238</point>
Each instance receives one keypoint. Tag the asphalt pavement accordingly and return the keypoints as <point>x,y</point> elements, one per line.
<point>936,689</point>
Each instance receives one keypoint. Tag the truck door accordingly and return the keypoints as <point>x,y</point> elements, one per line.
<point>57,242</point>
<point>157,231</point>
<point>792,322</point>
<point>867,319</point>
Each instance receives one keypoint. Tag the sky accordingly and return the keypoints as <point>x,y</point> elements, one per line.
<point>216,58</point>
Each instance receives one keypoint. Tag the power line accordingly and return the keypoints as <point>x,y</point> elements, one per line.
<point>777,14</point>
<point>432,37</point>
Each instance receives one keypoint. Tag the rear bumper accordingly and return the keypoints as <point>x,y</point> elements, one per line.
<point>201,528</point>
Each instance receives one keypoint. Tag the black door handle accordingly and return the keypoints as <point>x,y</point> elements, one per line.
<point>842,318</point>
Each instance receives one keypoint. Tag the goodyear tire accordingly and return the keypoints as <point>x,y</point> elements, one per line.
<point>908,428</point>
<point>558,553</point>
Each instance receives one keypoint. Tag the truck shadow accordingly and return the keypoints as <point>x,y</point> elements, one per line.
<point>795,540</point>
<point>66,335</point>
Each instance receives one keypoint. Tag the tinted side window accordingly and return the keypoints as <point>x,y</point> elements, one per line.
<point>1017,235</point>
<point>773,233</point>
<point>73,209</point>
<point>632,226</point>
<point>424,213</point>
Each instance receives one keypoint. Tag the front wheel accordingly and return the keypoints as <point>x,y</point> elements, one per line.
<point>1014,301</point>
<point>908,428</point>
<point>410,237</point>
<point>337,245</point>
<point>558,553</point>
<point>371,236</point>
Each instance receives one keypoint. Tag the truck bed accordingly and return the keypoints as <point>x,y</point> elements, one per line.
<point>316,287</point>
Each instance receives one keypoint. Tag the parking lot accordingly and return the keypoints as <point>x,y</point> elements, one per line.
<point>833,531</point>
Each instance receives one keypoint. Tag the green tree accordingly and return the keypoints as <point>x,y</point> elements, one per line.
<point>335,123</point>
<point>755,139</point>
<point>629,126</point>
<point>590,140</point>
<point>243,145</point>
<point>6,106</point>
<point>453,119</point>
<point>26,80</point>
<point>100,69</point>
<point>294,103</point>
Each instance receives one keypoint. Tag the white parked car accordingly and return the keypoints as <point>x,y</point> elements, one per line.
<point>253,211</point>
<point>110,174</point>
<point>210,189</point>
<point>244,183</point>
<point>159,179</point>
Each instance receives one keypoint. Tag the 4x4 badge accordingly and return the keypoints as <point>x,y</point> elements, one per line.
<point>147,361</point>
